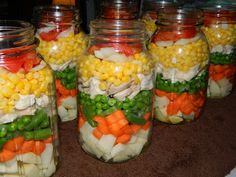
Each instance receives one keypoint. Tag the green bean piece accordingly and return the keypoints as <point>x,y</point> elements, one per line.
<point>45,123</point>
<point>37,134</point>
<point>89,114</point>
<point>37,119</point>
<point>108,111</point>
<point>3,141</point>
<point>132,118</point>
<point>20,124</point>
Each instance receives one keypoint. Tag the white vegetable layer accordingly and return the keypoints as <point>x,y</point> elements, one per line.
<point>106,148</point>
<point>31,164</point>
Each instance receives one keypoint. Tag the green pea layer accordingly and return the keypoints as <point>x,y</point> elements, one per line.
<point>67,77</point>
<point>31,127</point>
<point>101,105</point>
<point>221,58</point>
<point>194,85</point>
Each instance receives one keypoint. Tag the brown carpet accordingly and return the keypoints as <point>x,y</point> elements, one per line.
<point>204,148</point>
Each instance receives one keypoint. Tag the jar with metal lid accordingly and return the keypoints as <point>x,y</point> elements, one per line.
<point>115,91</point>
<point>149,12</point>
<point>28,120</point>
<point>119,9</point>
<point>61,44</point>
<point>220,30</point>
<point>180,51</point>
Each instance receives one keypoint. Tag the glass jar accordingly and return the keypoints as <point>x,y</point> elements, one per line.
<point>119,9</point>
<point>61,44</point>
<point>115,91</point>
<point>220,30</point>
<point>180,51</point>
<point>28,121</point>
<point>149,13</point>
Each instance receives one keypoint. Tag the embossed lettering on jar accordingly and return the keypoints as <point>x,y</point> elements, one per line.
<point>115,91</point>
<point>28,121</point>
<point>180,51</point>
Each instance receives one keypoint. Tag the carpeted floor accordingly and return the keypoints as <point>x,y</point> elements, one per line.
<point>204,148</point>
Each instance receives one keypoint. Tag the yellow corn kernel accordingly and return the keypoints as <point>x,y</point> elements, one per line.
<point>103,86</point>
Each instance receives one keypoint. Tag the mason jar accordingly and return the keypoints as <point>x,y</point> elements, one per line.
<point>119,9</point>
<point>149,13</point>
<point>220,30</point>
<point>61,44</point>
<point>180,52</point>
<point>115,91</point>
<point>28,120</point>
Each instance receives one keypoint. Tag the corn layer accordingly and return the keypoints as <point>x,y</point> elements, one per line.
<point>220,36</point>
<point>13,84</point>
<point>64,49</point>
<point>181,57</point>
<point>114,73</point>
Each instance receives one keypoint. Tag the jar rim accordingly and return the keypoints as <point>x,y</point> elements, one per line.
<point>117,30</point>
<point>7,29</point>
<point>15,33</point>
<point>185,15</point>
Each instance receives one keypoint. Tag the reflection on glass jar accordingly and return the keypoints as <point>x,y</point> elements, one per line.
<point>61,44</point>
<point>149,12</point>
<point>28,121</point>
<point>180,51</point>
<point>220,30</point>
<point>119,9</point>
<point>115,91</point>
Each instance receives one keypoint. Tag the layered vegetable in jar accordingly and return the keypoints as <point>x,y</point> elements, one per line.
<point>149,13</point>
<point>119,9</point>
<point>61,44</point>
<point>115,91</point>
<point>180,52</point>
<point>220,30</point>
<point>28,122</point>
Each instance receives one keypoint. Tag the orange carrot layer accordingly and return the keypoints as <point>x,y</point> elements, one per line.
<point>185,102</point>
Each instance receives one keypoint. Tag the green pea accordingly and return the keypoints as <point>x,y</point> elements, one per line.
<point>119,104</point>
<point>131,103</point>
<point>139,105</point>
<point>105,106</point>
<point>12,127</point>
<point>112,101</point>
<point>64,82</point>
<point>99,105</point>
<point>99,111</point>
<point>26,119</point>
<point>71,85</point>
<point>20,126</point>
<point>125,105</point>
<point>70,76</point>
<point>104,99</point>
<point>98,98</point>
